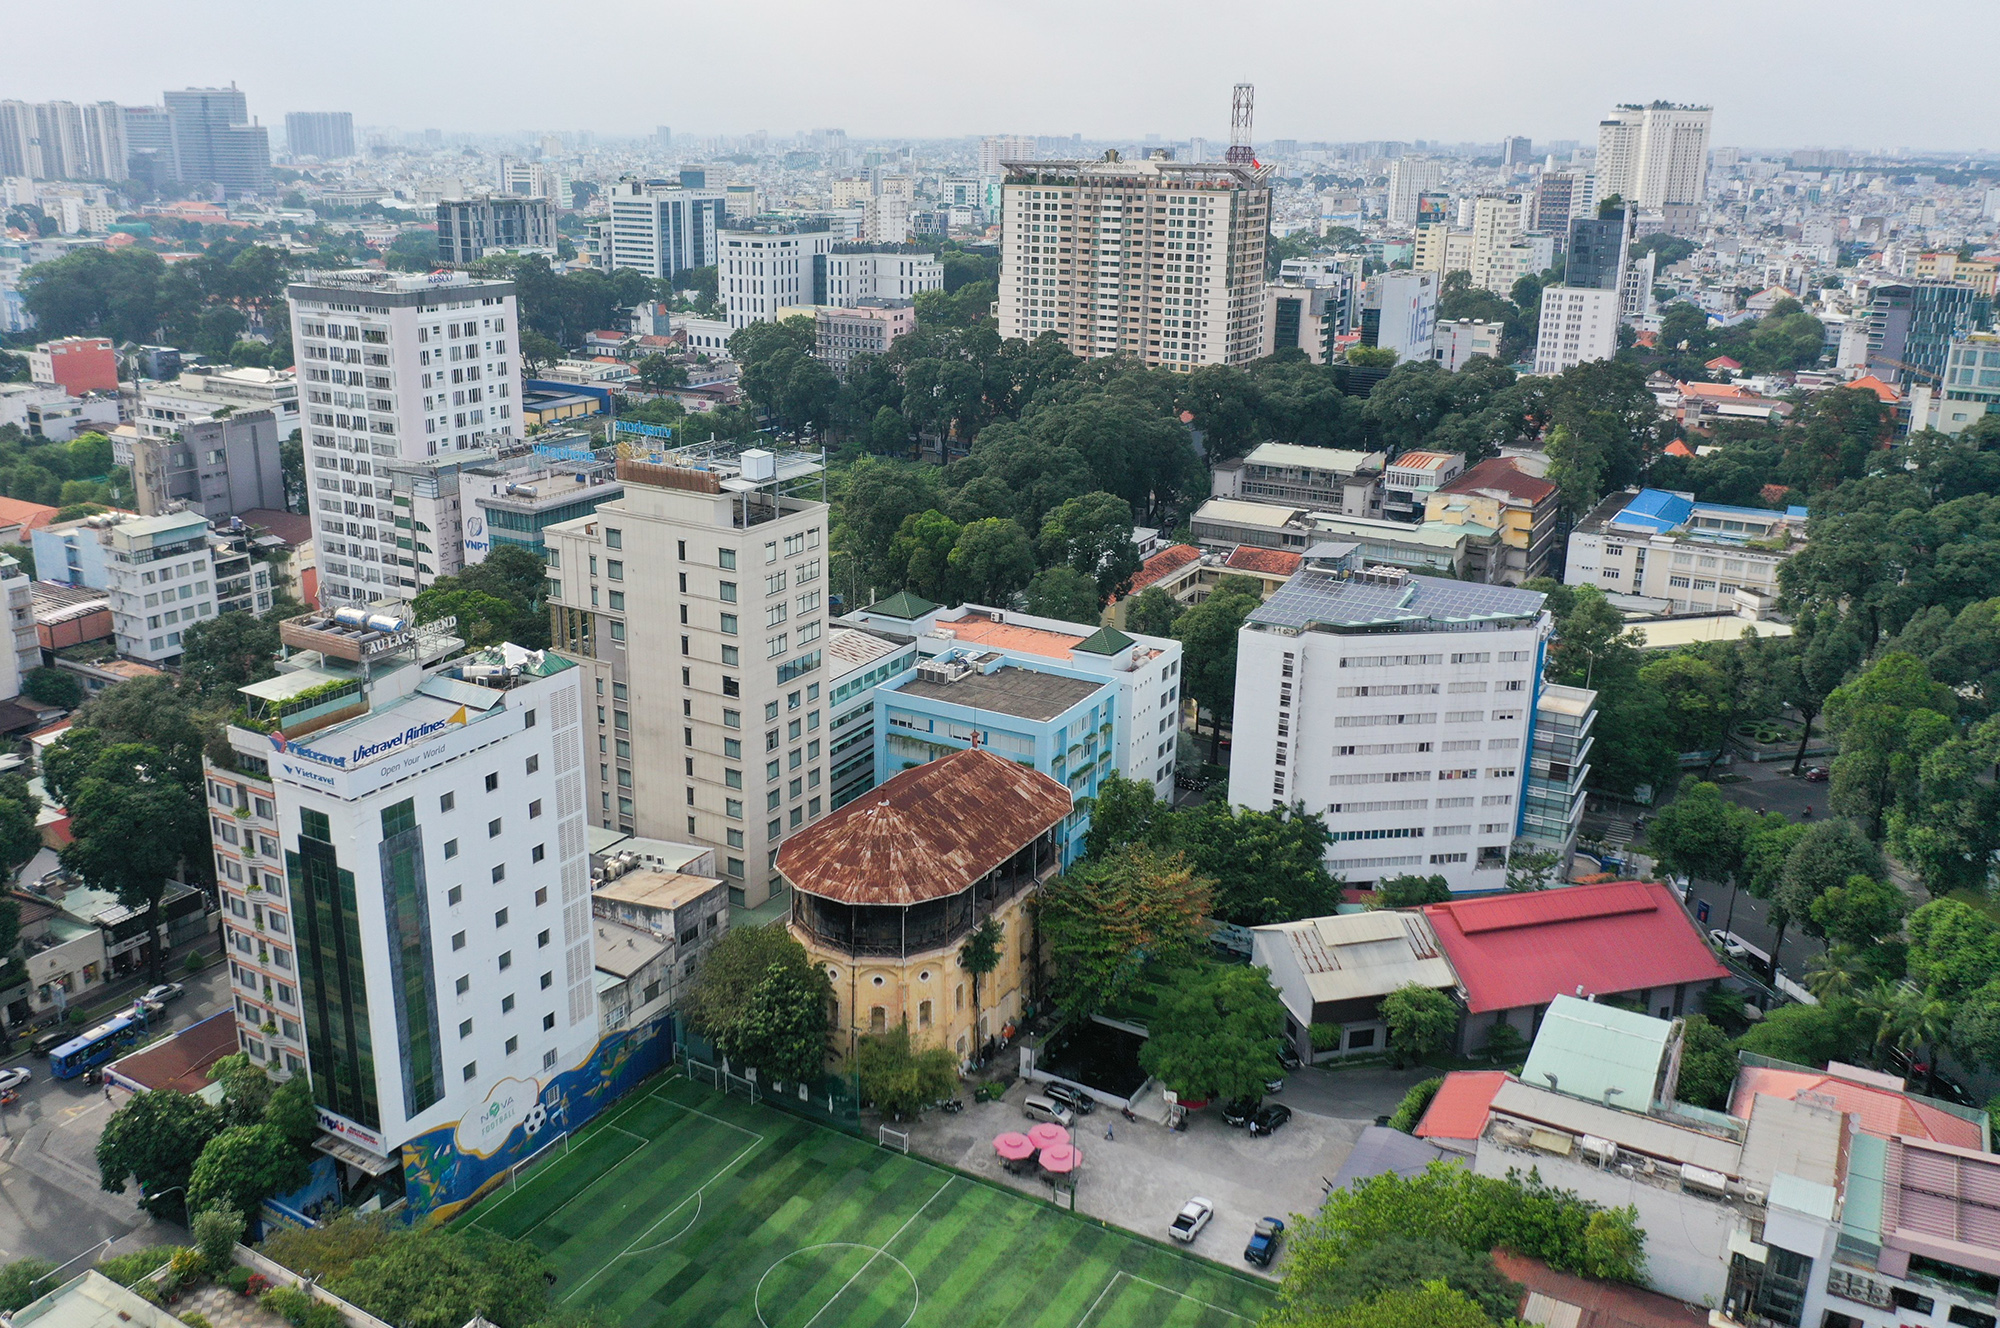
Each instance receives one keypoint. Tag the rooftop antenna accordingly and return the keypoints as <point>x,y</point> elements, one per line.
<point>1240,153</point>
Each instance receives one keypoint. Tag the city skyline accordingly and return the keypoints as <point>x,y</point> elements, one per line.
<point>800,63</point>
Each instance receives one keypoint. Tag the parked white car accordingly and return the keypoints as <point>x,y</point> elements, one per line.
<point>1191,1219</point>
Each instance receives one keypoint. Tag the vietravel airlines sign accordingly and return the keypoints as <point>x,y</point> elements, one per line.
<point>366,752</point>
<point>362,768</point>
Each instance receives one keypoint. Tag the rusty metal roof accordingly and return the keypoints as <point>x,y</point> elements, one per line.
<point>927,834</point>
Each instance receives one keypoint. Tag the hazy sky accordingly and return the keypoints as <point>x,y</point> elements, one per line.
<point>1778,72</point>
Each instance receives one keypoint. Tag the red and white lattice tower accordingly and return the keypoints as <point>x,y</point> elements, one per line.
<point>1240,152</point>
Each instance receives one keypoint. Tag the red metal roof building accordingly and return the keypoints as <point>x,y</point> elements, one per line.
<point>1881,1110</point>
<point>1457,1115</point>
<point>1518,952</point>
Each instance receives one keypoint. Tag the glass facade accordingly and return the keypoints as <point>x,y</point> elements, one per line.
<point>408,922</point>
<point>333,980</point>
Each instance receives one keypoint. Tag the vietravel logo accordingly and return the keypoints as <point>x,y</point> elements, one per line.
<point>369,751</point>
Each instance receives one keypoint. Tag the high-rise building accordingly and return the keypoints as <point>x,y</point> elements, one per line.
<point>1158,260</point>
<point>468,227</point>
<point>407,884</point>
<point>663,137</point>
<point>1559,196</point>
<point>60,140</point>
<point>859,271</point>
<point>1498,221</point>
<point>702,731</point>
<point>1399,313</point>
<point>322,134</point>
<point>1597,249</point>
<point>660,230</point>
<point>216,142</point>
<point>393,367</point>
<point>1515,151</point>
<point>1912,325</point>
<point>534,179</point>
<point>1657,157</point>
<point>771,265</point>
<point>1448,670</point>
<point>1409,179</point>
<point>150,154</point>
<point>998,149</point>
<point>1578,325</point>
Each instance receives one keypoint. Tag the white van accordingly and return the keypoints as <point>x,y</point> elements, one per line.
<point>1043,1109</point>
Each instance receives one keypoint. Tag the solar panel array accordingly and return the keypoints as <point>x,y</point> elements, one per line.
<point>1318,598</point>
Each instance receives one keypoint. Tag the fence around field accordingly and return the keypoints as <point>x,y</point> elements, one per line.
<point>834,1100</point>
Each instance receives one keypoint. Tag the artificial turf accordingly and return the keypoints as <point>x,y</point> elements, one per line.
<point>682,1206</point>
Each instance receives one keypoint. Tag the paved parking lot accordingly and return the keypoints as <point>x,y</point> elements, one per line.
<point>1139,1178</point>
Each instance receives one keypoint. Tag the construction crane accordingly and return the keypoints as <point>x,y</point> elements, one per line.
<point>1912,370</point>
<point>1240,152</point>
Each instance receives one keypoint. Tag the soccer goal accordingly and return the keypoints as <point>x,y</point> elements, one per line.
<point>558,1144</point>
<point>705,1074</point>
<point>733,1082</point>
<point>896,1139</point>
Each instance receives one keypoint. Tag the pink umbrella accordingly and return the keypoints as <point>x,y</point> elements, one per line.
<point>1014,1146</point>
<point>1046,1134</point>
<point>1061,1158</point>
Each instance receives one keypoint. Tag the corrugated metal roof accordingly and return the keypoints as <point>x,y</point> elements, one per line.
<point>928,833</point>
<point>1599,1052</point>
<point>1459,1109</point>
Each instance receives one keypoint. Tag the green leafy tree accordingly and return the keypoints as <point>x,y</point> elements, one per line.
<point>1102,920</point>
<point>1421,1021</point>
<point>1954,948</point>
<point>155,1139</point>
<point>1576,468</point>
<point>1827,856</point>
<point>1884,721</point>
<point>1531,868</point>
<point>438,1277</point>
<point>1216,1033</point>
<point>1152,612</point>
<point>1766,850</point>
<point>1092,536</point>
<point>922,547</point>
<point>657,373</point>
<point>1322,1278</point>
<point>784,1028</point>
<point>243,1166</point>
<point>1697,699</point>
<point>56,687</point>
<point>228,651</point>
<point>1859,912</point>
<point>900,1079</point>
<point>1809,1035</point>
<point>1411,891</point>
<point>246,1089</point>
<point>1207,633</point>
<point>1267,865</point>
<point>216,1231</point>
<point>1064,594</point>
<point>1708,1065</point>
<point>129,822</point>
<point>25,1281</point>
<point>1699,834</point>
<point>1124,811</point>
<point>992,559</point>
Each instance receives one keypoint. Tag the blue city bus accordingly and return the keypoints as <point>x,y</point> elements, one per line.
<point>89,1050</point>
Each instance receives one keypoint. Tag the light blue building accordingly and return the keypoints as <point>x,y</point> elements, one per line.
<point>1061,721</point>
<point>73,552</point>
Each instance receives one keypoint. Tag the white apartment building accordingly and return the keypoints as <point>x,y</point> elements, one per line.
<point>21,649</point>
<point>393,368</point>
<point>1701,557</point>
<point>161,410</point>
<point>404,866</point>
<point>1440,249</point>
<point>1459,339</point>
<point>997,149</point>
<point>695,606</point>
<point>1399,312</point>
<point>1578,325</point>
<point>1498,220</point>
<point>1157,260</point>
<point>1398,708</point>
<point>1656,156</point>
<point>769,266</point>
<point>159,581</point>
<point>857,272</point>
<point>661,231</point>
<point>1409,178</point>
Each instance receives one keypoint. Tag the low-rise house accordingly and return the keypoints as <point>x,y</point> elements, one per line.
<point>1704,558</point>
<point>1500,496</point>
<point>1516,953</point>
<point>651,930</point>
<point>1328,479</point>
<point>1332,973</point>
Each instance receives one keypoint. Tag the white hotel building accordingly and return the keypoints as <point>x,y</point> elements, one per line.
<point>1403,709</point>
<point>405,879</point>
<point>393,367</point>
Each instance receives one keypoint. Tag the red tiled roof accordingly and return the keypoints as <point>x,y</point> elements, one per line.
<point>927,834</point>
<point>1603,1304</point>
<point>1164,564</point>
<point>1517,950</point>
<point>1884,1114</point>
<point>1729,391</point>
<point>1502,474</point>
<point>28,516</point>
<point>1678,448</point>
<point>1459,1109</point>
<point>1722,362</point>
<point>182,1061</point>
<point>1272,562</point>
<point>1882,390</point>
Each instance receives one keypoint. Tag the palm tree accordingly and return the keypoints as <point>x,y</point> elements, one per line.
<point>1909,1019</point>
<point>979,956</point>
<point>1838,972</point>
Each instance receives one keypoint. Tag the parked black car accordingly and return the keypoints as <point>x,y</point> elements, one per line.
<point>1238,1111</point>
<point>1269,1119</point>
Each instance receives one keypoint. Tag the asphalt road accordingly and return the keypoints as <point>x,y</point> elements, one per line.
<point>51,1205</point>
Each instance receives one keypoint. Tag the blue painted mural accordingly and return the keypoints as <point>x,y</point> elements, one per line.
<point>447,1170</point>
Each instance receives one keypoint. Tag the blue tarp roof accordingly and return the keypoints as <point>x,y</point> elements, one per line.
<point>1656,510</point>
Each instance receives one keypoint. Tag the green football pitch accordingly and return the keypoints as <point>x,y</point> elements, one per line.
<point>682,1206</point>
